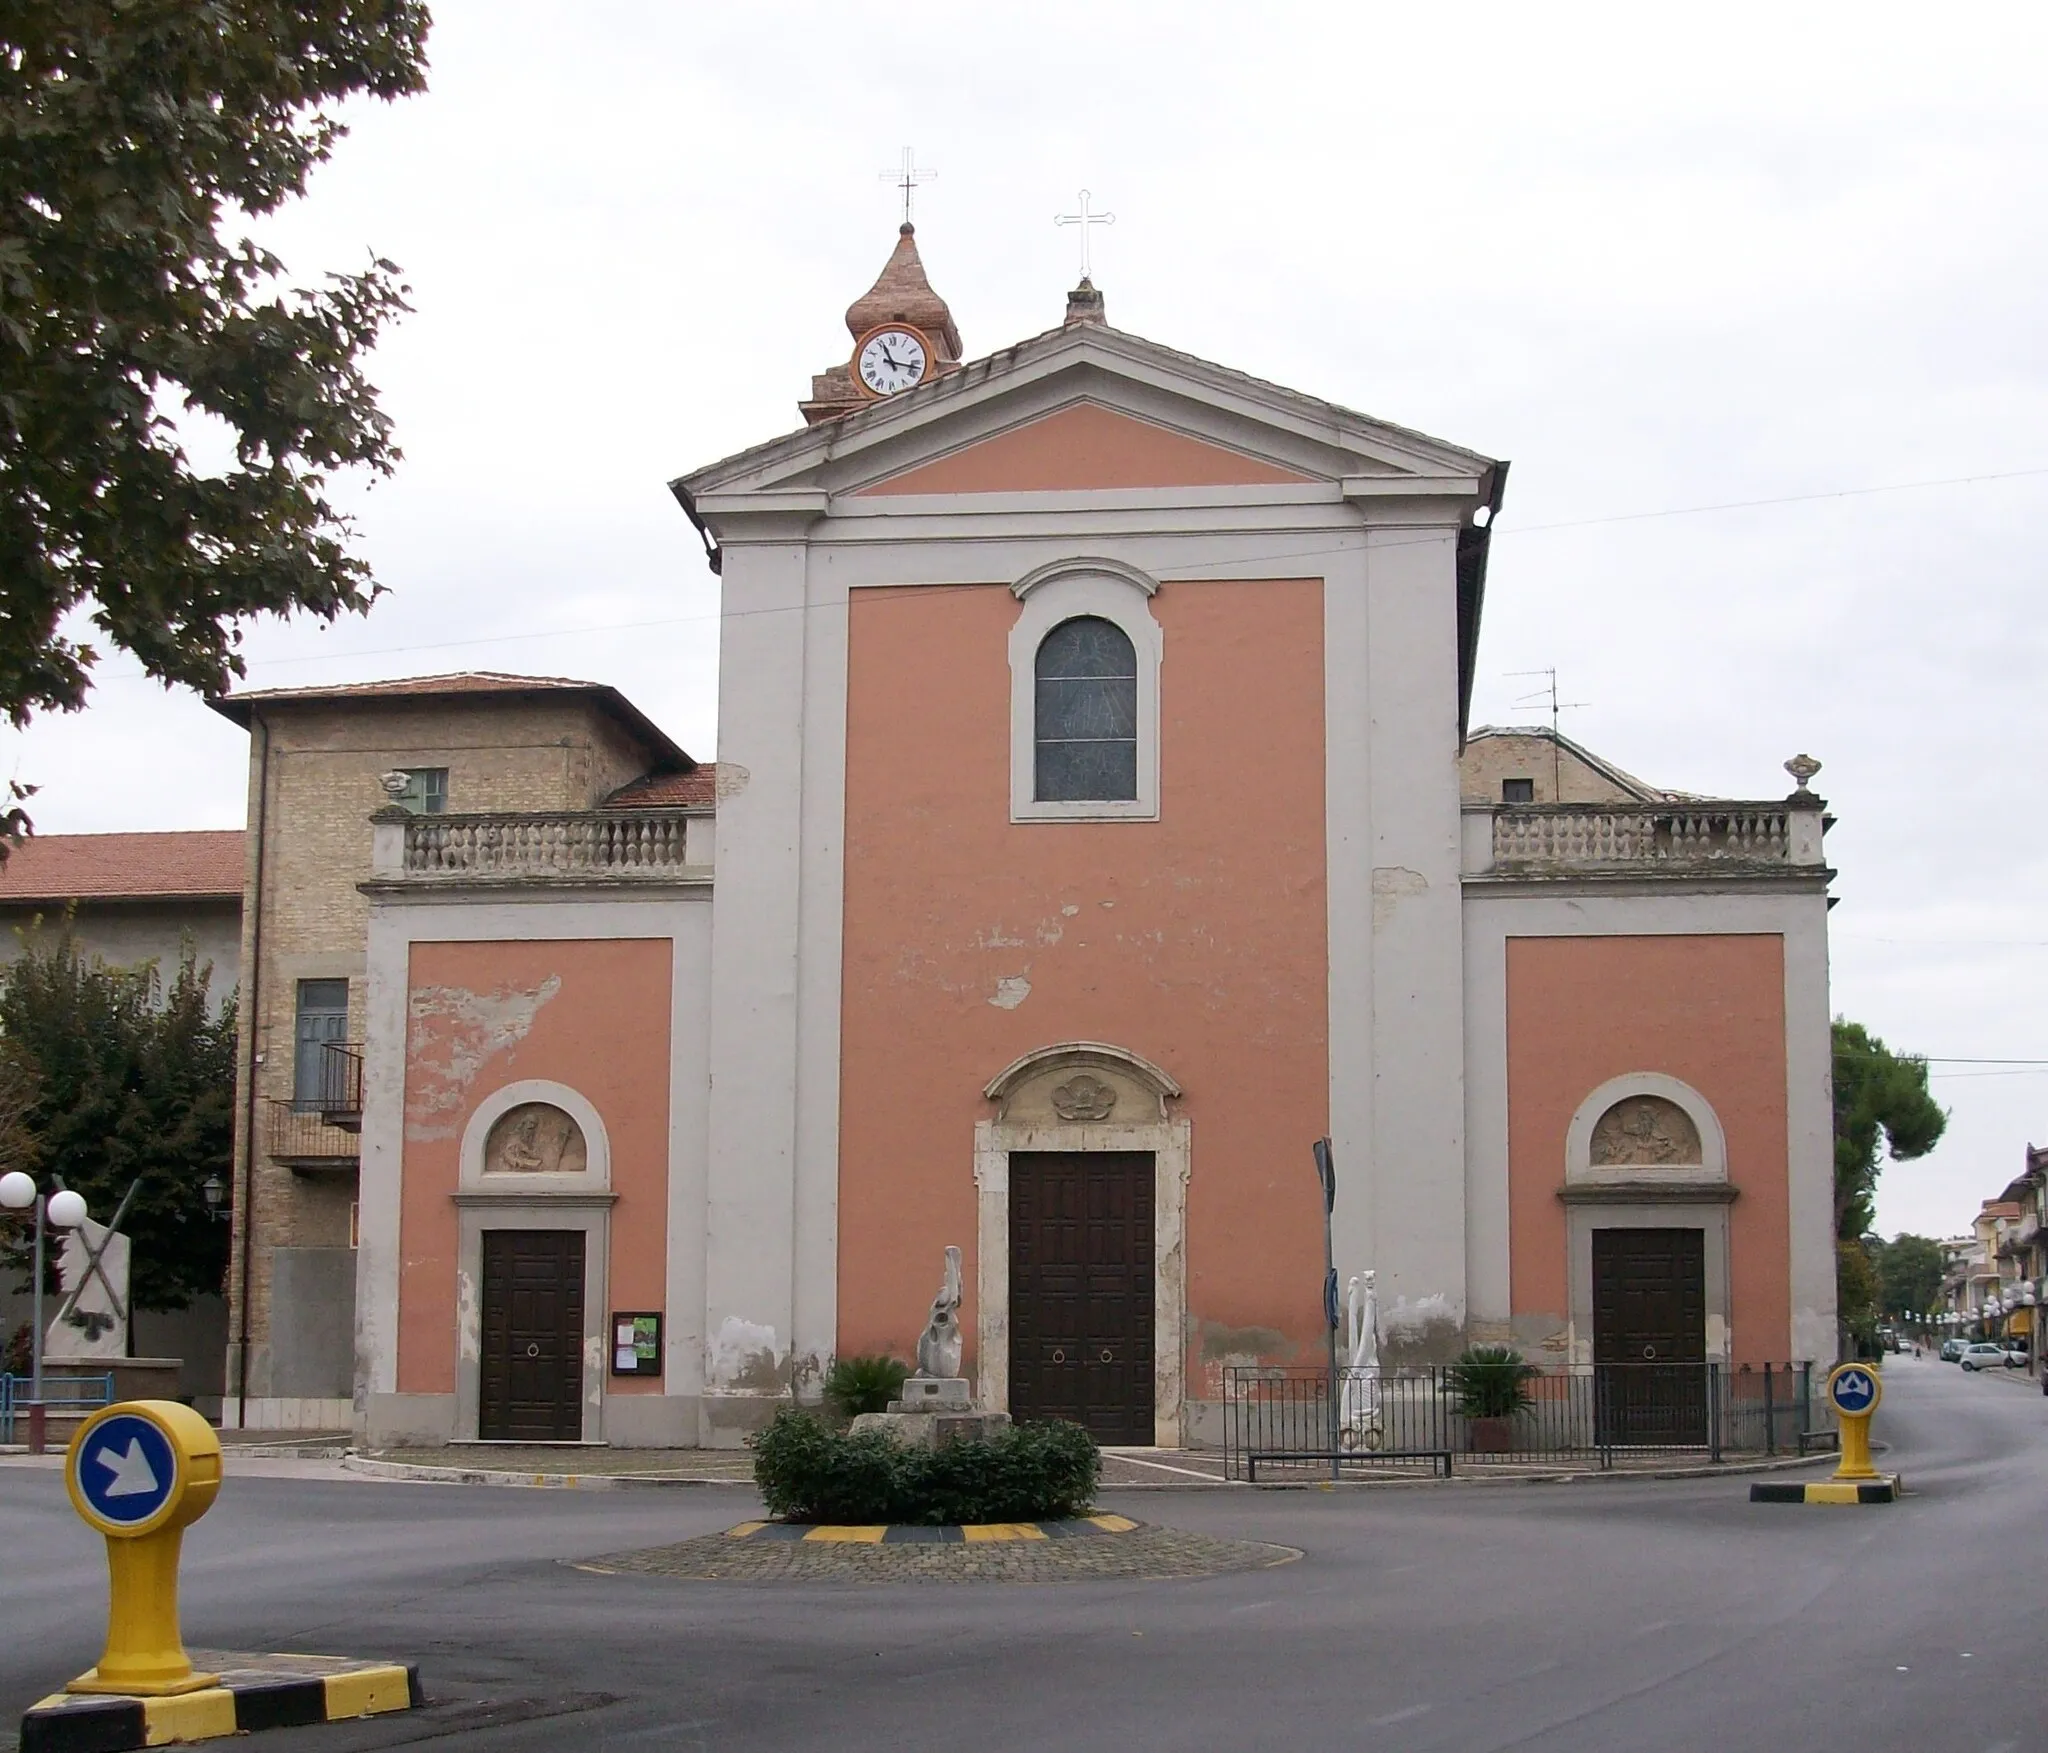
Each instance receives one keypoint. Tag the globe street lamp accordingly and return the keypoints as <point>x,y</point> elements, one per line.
<point>62,1210</point>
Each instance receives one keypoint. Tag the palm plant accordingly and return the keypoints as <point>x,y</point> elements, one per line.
<point>854,1385</point>
<point>1491,1381</point>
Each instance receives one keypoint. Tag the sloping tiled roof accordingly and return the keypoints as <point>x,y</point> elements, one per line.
<point>668,790</point>
<point>200,863</point>
<point>1642,790</point>
<point>243,707</point>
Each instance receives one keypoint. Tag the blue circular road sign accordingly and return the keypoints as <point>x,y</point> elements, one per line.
<point>125,1471</point>
<point>1853,1389</point>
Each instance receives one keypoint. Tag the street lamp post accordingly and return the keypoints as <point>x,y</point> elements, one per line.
<point>62,1210</point>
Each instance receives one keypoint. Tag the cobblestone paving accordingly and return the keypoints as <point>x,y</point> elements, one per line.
<point>1144,1552</point>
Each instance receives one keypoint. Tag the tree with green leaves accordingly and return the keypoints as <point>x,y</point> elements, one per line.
<point>1909,1271</point>
<point>138,139</point>
<point>130,1081</point>
<point>1882,1110</point>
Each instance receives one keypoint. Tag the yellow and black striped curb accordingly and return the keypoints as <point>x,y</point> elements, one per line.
<point>256,1692</point>
<point>911,1534</point>
<point>1888,1489</point>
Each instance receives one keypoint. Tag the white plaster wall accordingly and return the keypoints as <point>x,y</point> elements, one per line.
<point>1415,912</point>
<point>750,1215</point>
<point>1494,913</point>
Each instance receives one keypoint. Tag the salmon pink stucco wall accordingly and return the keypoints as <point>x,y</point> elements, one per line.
<point>1086,448</point>
<point>1709,1011</point>
<point>1198,941</point>
<point>590,1014</point>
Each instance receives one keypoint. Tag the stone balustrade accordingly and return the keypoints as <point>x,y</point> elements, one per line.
<point>1612,839</point>
<point>590,845</point>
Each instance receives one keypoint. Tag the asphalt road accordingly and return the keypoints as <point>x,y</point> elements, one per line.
<point>1623,1616</point>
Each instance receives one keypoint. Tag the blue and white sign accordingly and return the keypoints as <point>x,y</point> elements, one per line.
<point>125,1470</point>
<point>1853,1390</point>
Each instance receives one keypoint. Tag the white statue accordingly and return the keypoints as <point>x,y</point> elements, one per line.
<point>938,1346</point>
<point>92,1320</point>
<point>1359,1406</point>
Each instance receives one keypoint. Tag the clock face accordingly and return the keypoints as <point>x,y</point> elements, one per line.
<point>891,360</point>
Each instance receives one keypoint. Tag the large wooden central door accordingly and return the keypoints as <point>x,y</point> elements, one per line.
<point>531,1388</point>
<point>1081,1285</point>
<point>1650,1336</point>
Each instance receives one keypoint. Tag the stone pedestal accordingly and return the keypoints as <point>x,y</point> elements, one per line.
<point>931,1430</point>
<point>135,1378</point>
<point>933,1394</point>
<point>931,1411</point>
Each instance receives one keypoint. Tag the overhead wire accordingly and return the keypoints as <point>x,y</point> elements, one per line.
<point>1353,543</point>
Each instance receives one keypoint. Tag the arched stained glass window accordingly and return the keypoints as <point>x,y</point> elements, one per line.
<point>1086,719</point>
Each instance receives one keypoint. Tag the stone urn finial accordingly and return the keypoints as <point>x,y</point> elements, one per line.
<point>1802,768</point>
<point>394,783</point>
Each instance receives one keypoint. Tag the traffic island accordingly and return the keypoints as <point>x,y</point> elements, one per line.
<point>140,1472</point>
<point>1855,1393</point>
<point>251,1692</point>
<point>1885,1488</point>
<point>1078,1550</point>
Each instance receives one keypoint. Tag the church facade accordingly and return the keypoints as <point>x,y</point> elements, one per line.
<point>1086,841</point>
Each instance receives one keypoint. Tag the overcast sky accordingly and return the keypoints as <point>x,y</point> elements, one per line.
<point>1660,261</point>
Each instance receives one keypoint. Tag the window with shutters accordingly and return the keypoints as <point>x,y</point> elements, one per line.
<point>322,1023</point>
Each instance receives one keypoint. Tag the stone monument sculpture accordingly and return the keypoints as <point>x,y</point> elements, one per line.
<point>92,1320</point>
<point>1358,1421</point>
<point>937,1404</point>
<point>938,1347</point>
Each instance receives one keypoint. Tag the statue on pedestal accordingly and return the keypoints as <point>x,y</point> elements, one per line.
<point>1358,1415</point>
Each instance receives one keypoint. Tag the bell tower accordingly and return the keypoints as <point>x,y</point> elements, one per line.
<point>901,329</point>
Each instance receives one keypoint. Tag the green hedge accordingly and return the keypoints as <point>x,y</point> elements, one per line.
<point>1028,1473</point>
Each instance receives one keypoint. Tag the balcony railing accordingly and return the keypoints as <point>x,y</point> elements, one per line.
<point>613,845</point>
<point>303,1138</point>
<point>336,1088</point>
<point>1554,839</point>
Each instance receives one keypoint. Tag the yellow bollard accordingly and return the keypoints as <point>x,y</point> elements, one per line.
<point>1855,1392</point>
<point>140,1472</point>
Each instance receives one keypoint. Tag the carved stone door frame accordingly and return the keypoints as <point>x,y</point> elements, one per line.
<point>1084,1096</point>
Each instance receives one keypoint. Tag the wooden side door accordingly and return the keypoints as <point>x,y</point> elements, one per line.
<point>1081,1289</point>
<point>531,1388</point>
<point>1650,1336</point>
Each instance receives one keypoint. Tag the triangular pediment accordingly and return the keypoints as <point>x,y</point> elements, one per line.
<point>1086,409</point>
<point>1084,448</point>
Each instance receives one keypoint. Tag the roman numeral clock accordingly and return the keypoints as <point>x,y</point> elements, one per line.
<point>891,359</point>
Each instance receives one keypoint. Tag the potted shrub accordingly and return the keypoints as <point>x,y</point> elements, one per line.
<point>1490,1384</point>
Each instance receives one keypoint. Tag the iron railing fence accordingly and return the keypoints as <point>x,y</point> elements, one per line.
<point>1287,1422</point>
<point>61,1394</point>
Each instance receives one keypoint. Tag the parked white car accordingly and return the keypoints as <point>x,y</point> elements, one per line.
<point>1985,1356</point>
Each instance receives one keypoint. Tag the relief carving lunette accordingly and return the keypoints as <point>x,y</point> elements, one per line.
<point>1645,1132</point>
<point>535,1138</point>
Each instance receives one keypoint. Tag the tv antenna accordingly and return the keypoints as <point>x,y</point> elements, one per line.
<point>1548,695</point>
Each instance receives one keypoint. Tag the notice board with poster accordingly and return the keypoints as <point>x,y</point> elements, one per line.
<point>636,1344</point>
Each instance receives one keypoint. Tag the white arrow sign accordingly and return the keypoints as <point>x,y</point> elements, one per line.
<point>133,1475</point>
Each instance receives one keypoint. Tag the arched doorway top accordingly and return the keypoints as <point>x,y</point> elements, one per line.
<point>1087,1081</point>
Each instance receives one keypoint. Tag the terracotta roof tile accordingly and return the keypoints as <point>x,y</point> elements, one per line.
<point>699,786</point>
<point>402,687</point>
<point>124,867</point>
